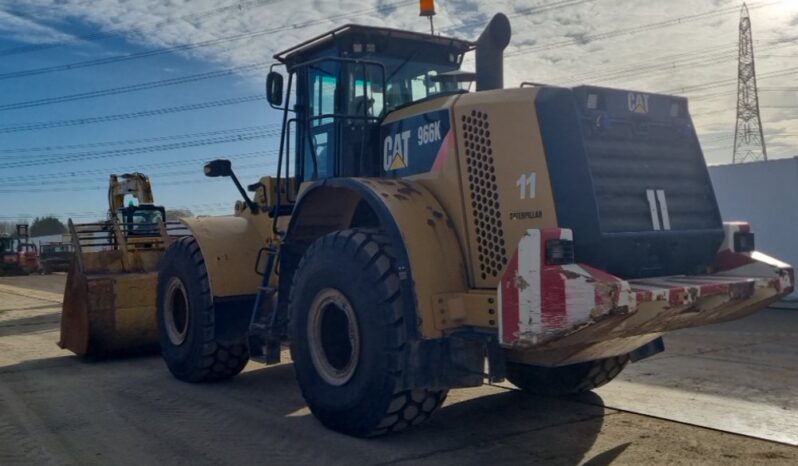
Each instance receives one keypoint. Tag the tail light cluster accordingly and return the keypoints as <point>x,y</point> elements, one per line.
<point>744,241</point>
<point>559,252</point>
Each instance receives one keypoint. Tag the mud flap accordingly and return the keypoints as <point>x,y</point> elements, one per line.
<point>454,361</point>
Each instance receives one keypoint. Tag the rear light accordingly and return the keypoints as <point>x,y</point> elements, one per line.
<point>743,241</point>
<point>559,252</point>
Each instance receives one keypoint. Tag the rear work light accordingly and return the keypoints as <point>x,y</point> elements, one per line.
<point>743,241</point>
<point>559,252</point>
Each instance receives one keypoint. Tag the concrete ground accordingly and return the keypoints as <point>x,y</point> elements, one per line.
<point>57,409</point>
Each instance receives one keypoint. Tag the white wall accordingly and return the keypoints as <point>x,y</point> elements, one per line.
<point>38,240</point>
<point>765,194</point>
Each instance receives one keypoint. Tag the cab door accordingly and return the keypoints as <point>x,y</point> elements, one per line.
<point>320,151</point>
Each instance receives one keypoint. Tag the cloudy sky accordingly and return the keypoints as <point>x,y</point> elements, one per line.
<point>89,87</point>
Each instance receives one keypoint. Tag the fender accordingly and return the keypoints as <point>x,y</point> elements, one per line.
<point>230,248</point>
<point>429,258</point>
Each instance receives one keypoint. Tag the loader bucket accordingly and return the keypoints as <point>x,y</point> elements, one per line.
<point>109,305</point>
<point>107,314</point>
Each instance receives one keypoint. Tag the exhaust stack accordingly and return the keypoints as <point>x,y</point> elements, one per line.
<point>490,53</point>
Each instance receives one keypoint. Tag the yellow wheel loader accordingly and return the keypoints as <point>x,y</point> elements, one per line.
<point>419,236</point>
<point>109,299</point>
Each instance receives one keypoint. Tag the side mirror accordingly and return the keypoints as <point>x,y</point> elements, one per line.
<point>274,88</point>
<point>218,168</point>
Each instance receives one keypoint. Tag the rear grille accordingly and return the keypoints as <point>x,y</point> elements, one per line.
<point>484,194</point>
<point>624,169</point>
<point>629,179</point>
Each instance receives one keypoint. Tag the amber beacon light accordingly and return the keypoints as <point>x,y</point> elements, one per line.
<point>426,7</point>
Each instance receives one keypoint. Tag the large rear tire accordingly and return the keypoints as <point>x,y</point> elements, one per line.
<point>186,319</point>
<point>348,337</point>
<point>565,380</point>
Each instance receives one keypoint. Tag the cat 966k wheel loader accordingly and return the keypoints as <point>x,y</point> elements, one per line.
<point>416,230</point>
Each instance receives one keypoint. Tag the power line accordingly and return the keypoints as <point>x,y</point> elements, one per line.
<point>217,206</point>
<point>21,150</point>
<point>190,46</point>
<point>523,12</point>
<point>166,178</point>
<point>223,9</point>
<point>582,39</point>
<point>697,60</point>
<point>96,36</point>
<point>64,174</point>
<point>135,87</point>
<point>201,179</point>
<point>49,45</point>
<point>126,116</point>
<point>82,156</point>
<point>723,82</point>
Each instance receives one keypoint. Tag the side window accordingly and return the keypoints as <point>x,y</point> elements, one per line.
<point>323,97</point>
<point>373,99</point>
<point>323,86</point>
<point>422,86</point>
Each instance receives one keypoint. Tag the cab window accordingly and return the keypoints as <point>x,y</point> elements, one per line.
<point>323,86</point>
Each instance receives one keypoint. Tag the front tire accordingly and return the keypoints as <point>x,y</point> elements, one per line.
<point>348,337</point>
<point>186,319</point>
<point>565,380</point>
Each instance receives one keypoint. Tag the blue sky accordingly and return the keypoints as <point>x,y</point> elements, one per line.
<point>63,170</point>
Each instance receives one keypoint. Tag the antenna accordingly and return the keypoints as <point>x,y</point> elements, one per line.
<point>749,139</point>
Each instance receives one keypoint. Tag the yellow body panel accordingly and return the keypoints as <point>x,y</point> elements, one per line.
<point>498,143</point>
<point>426,233</point>
<point>430,241</point>
<point>230,248</point>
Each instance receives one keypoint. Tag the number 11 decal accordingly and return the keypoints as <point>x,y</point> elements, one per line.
<point>527,185</point>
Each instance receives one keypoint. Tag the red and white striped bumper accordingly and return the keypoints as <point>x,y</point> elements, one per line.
<point>548,306</point>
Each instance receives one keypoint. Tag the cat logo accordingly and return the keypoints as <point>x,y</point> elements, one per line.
<point>397,162</point>
<point>394,155</point>
<point>638,103</point>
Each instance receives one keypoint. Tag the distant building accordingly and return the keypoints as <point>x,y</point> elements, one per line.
<point>39,240</point>
<point>765,194</point>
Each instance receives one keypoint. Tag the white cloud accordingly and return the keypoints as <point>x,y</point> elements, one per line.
<point>19,28</point>
<point>653,59</point>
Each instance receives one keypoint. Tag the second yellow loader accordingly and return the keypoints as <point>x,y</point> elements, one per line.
<point>109,299</point>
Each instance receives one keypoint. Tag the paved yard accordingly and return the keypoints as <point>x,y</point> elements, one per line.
<point>57,409</point>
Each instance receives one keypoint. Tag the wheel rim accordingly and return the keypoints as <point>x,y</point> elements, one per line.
<point>333,337</point>
<point>176,312</point>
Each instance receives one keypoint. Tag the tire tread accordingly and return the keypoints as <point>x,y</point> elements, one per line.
<point>375,253</point>
<point>565,380</point>
<point>217,361</point>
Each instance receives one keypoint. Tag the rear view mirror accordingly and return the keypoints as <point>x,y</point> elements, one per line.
<point>218,168</point>
<point>274,88</point>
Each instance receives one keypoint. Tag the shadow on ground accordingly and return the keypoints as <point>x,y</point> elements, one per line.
<point>260,416</point>
<point>33,324</point>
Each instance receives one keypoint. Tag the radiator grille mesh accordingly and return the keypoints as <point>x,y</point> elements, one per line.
<point>484,194</point>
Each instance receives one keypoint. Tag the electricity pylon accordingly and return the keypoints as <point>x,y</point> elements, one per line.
<point>749,139</point>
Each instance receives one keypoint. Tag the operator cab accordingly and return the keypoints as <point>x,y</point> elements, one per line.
<point>141,220</point>
<point>346,81</point>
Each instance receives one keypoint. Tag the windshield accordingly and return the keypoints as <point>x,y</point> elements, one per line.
<point>411,81</point>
